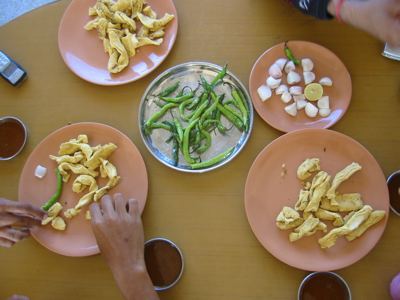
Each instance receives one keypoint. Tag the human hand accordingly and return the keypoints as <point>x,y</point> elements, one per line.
<point>381,18</point>
<point>16,219</point>
<point>119,233</point>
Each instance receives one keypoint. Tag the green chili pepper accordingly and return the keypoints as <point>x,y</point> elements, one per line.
<point>199,111</point>
<point>178,99</point>
<point>289,54</point>
<point>242,107</point>
<point>182,107</point>
<point>160,126</point>
<point>185,143</point>
<point>158,115</point>
<point>219,76</point>
<point>214,160</point>
<point>53,199</point>
<point>233,112</point>
<point>169,90</point>
<point>179,130</point>
<point>207,144</point>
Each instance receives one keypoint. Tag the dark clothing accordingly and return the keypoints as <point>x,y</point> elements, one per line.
<point>316,8</point>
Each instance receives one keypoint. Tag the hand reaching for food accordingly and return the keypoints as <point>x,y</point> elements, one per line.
<point>118,229</point>
<point>16,220</point>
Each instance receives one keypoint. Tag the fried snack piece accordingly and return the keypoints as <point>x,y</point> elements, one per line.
<point>319,186</point>
<point>84,181</point>
<point>52,213</point>
<point>130,43</point>
<point>302,202</point>
<point>88,216</point>
<point>149,12</point>
<point>345,203</point>
<point>323,214</point>
<point>104,152</point>
<point>119,58</point>
<point>121,18</point>
<point>144,41</point>
<point>307,167</point>
<point>310,226</point>
<point>375,217</point>
<point>78,156</point>
<point>340,177</point>
<point>58,223</point>
<point>85,200</point>
<point>288,218</point>
<point>155,24</point>
<point>102,191</point>
<point>71,147</point>
<point>76,169</point>
<point>353,222</point>
<point>107,169</point>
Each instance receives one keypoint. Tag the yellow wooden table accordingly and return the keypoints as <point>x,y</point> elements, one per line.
<point>204,214</point>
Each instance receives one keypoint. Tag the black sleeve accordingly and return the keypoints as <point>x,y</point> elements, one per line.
<point>316,8</point>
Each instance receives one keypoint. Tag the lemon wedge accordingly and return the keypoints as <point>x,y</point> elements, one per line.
<point>313,91</point>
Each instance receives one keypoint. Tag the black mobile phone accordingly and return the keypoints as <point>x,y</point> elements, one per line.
<point>10,70</point>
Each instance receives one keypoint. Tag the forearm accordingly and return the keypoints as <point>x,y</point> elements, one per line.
<point>135,284</point>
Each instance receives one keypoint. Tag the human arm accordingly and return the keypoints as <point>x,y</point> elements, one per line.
<point>118,229</point>
<point>16,220</point>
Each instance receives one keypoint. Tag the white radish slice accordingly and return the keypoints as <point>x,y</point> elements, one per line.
<point>300,104</point>
<point>275,71</point>
<point>281,62</point>
<point>311,110</point>
<point>264,92</point>
<point>324,112</point>
<point>307,65</point>
<point>296,90</point>
<point>293,78</point>
<point>299,97</point>
<point>326,81</point>
<point>291,109</point>
<point>286,97</point>
<point>40,171</point>
<point>308,77</point>
<point>290,67</point>
<point>323,102</point>
<point>281,89</point>
<point>273,83</point>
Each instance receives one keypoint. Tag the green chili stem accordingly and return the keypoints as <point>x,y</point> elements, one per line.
<point>217,159</point>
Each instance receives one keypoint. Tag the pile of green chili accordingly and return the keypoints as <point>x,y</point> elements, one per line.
<point>195,114</point>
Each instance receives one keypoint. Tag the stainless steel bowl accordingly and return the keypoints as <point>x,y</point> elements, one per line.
<point>189,74</point>
<point>171,243</point>
<point>312,275</point>
<point>15,119</point>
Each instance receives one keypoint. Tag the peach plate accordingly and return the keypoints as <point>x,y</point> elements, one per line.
<point>326,64</point>
<point>83,51</point>
<point>266,192</point>
<point>78,239</point>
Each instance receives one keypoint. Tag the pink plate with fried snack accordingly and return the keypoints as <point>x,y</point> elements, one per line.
<point>78,238</point>
<point>326,64</point>
<point>84,54</point>
<point>272,184</point>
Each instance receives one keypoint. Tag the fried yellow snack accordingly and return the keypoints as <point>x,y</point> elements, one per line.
<point>58,223</point>
<point>88,216</point>
<point>309,166</point>
<point>157,34</point>
<point>130,43</point>
<point>374,218</point>
<point>76,169</point>
<point>319,186</point>
<point>323,214</point>
<point>309,227</point>
<point>149,12</point>
<point>85,200</point>
<point>100,24</point>
<point>340,177</point>
<point>345,203</point>
<point>351,224</point>
<point>102,191</point>
<point>71,212</point>
<point>155,24</point>
<point>144,41</point>
<point>107,169</point>
<point>78,156</point>
<point>71,147</point>
<point>288,218</point>
<point>121,18</point>
<point>122,58</point>
<point>84,181</point>
<point>302,202</point>
<point>104,152</point>
<point>52,213</point>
